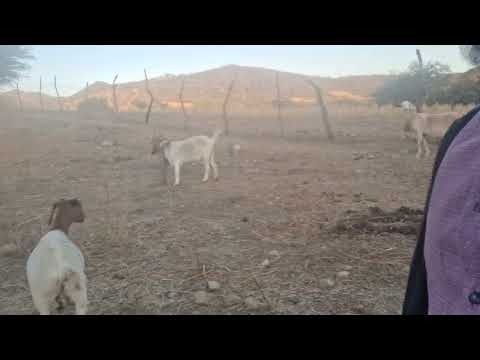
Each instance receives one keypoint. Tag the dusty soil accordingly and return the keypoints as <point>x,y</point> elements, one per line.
<point>310,207</point>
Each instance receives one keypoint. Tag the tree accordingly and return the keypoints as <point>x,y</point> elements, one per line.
<point>13,62</point>
<point>414,84</point>
<point>464,91</point>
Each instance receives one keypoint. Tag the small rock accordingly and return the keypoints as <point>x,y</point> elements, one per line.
<point>213,285</point>
<point>326,283</point>
<point>406,269</point>
<point>232,299</point>
<point>107,143</point>
<point>343,274</point>
<point>359,309</point>
<point>8,250</point>
<point>348,267</point>
<point>170,294</point>
<point>274,253</point>
<point>118,277</point>
<point>244,219</point>
<point>371,156</point>
<point>265,263</point>
<point>201,297</point>
<point>253,304</point>
<point>293,300</point>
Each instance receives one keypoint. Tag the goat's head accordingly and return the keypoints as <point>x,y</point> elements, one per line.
<point>158,143</point>
<point>69,211</point>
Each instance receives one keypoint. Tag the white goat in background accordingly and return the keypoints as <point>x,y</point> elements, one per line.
<point>195,148</point>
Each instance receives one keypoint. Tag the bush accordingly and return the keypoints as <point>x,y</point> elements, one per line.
<point>94,105</point>
<point>140,104</point>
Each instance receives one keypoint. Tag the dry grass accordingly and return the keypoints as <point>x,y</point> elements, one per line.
<point>149,248</point>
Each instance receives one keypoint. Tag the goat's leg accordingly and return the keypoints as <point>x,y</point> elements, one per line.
<point>176,167</point>
<point>165,171</point>
<point>426,147</point>
<point>42,305</point>
<point>419,144</point>
<point>60,300</point>
<point>206,165</point>
<point>76,290</point>
<point>214,166</point>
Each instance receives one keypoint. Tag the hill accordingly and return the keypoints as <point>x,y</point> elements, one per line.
<point>254,87</point>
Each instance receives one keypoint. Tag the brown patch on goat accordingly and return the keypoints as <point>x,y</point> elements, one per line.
<point>67,212</point>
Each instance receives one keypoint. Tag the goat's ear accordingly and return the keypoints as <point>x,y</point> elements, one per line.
<point>54,207</point>
<point>74,202</point>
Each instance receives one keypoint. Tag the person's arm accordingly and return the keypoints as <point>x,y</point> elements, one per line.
<point>416,296</point>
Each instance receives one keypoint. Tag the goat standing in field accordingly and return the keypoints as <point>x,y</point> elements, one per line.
<point>432,125</point>
<point>408,106</point>
<point>195,148</point>
<point>55,268</point>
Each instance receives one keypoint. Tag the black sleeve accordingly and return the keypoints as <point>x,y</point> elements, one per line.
<point>416,296</point>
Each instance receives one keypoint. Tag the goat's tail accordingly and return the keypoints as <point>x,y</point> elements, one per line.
<point>216,134</point>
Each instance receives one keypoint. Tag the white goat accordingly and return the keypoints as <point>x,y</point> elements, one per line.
<point>408,106</point>
<point>432,125</point>
<point>195,148</point>
<point>55,268</point>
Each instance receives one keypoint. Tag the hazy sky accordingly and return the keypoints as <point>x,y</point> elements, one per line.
<point>74,65</point>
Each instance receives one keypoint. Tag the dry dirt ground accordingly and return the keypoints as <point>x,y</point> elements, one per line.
<point>336,221</point>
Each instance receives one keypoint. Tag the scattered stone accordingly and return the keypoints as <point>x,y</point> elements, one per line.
<point>253,304</point>
<point>326,283</point>
<point>274,253</point>
<point>359,309</point>
<point>358,157</point>
<point>232,299</point>
<point>343,274</point>
<point>107,143</point>
<point>371,156</point>
<point>294,300</point>
<point>201,297</point>
<point>348,267</point>
<point>265,263</point>
<point>213,285</point>
<point>245,219</point>
<point>8,250</point>
<point>118,276</point>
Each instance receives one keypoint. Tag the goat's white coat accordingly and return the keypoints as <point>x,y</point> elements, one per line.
<point>55,268</point>
<point>408,106</point>
<point>195,148</point>
<point>433,125</point>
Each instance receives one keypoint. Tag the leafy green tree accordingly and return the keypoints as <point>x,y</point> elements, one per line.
<point>13,62</point>
<point>413,85</point>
